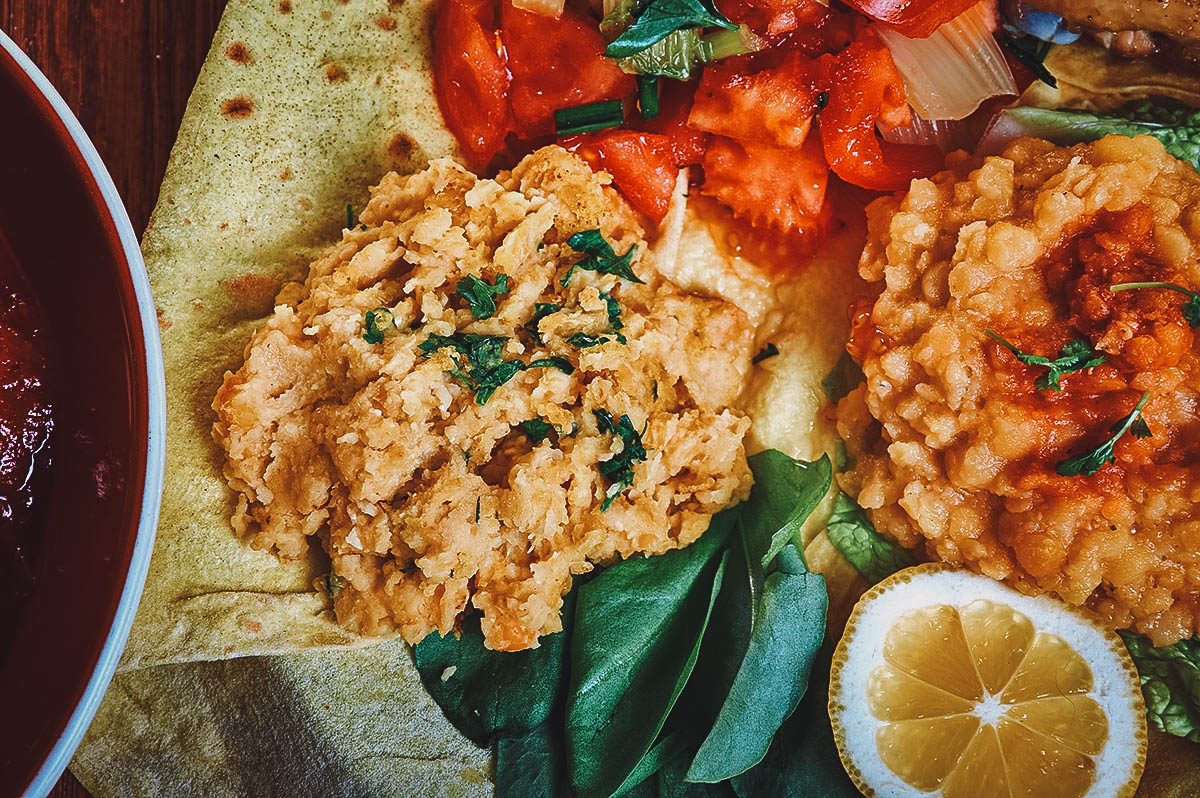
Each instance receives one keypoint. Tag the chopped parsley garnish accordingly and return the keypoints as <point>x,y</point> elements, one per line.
<point>583,340</point>
<point>379,323</point>
<point>614,315</point>
<point>768,351</point>
<point>1076,355</point>
<point>1092,461</point>
<point>1190,308</point>
<point>601,258</point>
<point>618,469</point>
<point>658,19</point>
<point>586,118</point>
<point>535,429</point>
<point>540,311</point>
<point>481,295</point>
<point>485,368</point>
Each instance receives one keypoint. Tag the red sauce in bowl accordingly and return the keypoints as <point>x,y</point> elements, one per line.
<point>26,422</point>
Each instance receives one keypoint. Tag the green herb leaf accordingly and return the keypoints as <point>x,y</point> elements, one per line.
<point>637,634</point>
<point>1170,684</point>
<point>532,764</point>
<point>540,311</point>
<point>647,96</point>
<point>485,369</point>
<point>773,677</point>
<point>671,783</point>
<point>379,322</point>
<point>334,584</point>
<point>1092,461</point>
<point>1076,355</point>
<point>1031,52</point>
<point>553,362</point>
<point>535,429</point>
<point>485,692</point>
<point>843,378</point>
<point>668,747</point>
<point>349,216</point>
<point>768,351</point>
<point>614,316</point>
<point>481,295</point>
<point>583,340</point>
<point>785,493</point>
<point>601,257</point>
<point>586,118</point>
<point>618,469</point>
<point>1190,308</point>
<point>871,554</point>
<point>676,56</point>
<point>660,19</point>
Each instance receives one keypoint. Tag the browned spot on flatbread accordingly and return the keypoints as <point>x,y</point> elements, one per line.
<point>285,6</point>
<point>253,293</point>
<point>238,107</point>
<point>163,321</point>
<point>326,15</point>
<point>306,203</point>
<point>239,53</point>
<point>385,22</point>
<point>334,73</point>
<point>286,174</point>
<point>395,4</point>
<point>401,147</point>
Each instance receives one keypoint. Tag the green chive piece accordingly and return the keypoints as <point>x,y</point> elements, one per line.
<point>648,96</point>
<point>585,118</point>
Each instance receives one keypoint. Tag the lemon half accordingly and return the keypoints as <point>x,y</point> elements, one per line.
<point>947,683</point>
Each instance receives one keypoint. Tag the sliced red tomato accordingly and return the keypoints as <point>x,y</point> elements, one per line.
<point>774,105</point>
<point>864,89</point>
<point>768,186</point>
<point>642,166</point>
<point>674,105</point>
<point>914,18</point>
<point>471,79</point>
<point>556,63</point>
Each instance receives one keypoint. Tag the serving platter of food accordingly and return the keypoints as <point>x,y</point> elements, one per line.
<point>675,398</point>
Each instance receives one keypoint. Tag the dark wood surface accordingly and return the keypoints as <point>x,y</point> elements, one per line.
<point>126,68</point>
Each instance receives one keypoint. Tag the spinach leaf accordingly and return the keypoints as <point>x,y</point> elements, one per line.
<point>671,783</point>
<point>533,764</point>
<point>773,676</point>
<point>843,378</point>
<point>802,761</point>
<point>601,258</point>
<point>785,493</point>
<point>483,692</point>
<point>660,19</point>
<point>871,554</point>
<point>481,295</point>
<point>637,634</point>
<point>1170,683</point>
<point>669,747</point>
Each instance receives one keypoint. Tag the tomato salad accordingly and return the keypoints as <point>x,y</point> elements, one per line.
<point>776,101</point>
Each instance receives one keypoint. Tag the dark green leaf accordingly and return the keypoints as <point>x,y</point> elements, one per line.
<point>379,322</point>
<point>586,118</point>
<point>785,493</point>
<point>555,362</point>
<point>601,258</point>
<point>660,19</point>
<point>1170,684</point>
<point>349,216</point>
<point>533,764</point>
<point>842,379</point>
<point>677,56</point>
<point>768,351</point>
<point>618,469</point>
<point>481,295</point>
<point>484,692</point>
<point>871,554</point>
<point>788,630</point>
<point>802,761</point>
<point>535,429</point>
<point>1076,355</point>
<point>485,368</point>
<point>540,311</point>
<point>583,340</point>
<point>667,748</point>
<point>637,634</point>
<point>647,96</point>
<point>1031,52</point>
<point>1093,460</point>
<point>671,783</point>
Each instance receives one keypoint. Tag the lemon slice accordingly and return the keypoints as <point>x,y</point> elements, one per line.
<point>947,683</point>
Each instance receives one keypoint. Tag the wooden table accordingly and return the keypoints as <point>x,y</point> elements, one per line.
<point>126,68</point>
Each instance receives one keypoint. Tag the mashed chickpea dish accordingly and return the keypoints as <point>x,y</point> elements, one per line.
<point>481,389</point>
<point>1032,381</point>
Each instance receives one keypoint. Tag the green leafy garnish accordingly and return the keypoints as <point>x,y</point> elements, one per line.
<point>660,18</point>
<point>1170,684</point>
<point>485,368</point>
<point>583,340</point>
<point>540,311</point>
<point>647,96</point>
<point>589,117</point>
<point>1190,308</point>
<point>334,584</point>
<point>1092,461</point>
<point>349,216</point>
<point>379,322</point>
<point>1076,355</point>
<point>614,316</point>
<point>618,469</point>
<point>1031,52</point>
<point>600,257</point>
<point>871,554</point>
<point>844,377</point>
<point>481,295</point>
<point>535,429</point>
<point>770,350</point>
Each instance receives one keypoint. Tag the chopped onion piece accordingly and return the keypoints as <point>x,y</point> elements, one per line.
<point>945,134</point>
<point>950,73</point>
<point>547,8</point>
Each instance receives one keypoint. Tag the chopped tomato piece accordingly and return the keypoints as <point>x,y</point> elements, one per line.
<point>819,28</point>
<point>768,186</point>
<point>556,63</point>
<point>642,166</point>
<point>774,106</point>
<point>865,89</point>
<point>674,105</point>
<point>471,79</point>
<point>913,18</point>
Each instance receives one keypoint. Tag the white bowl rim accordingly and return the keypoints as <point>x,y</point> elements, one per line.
<point>56,762</point>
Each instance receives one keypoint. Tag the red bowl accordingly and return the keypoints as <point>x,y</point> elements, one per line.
<point>64,222</point>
